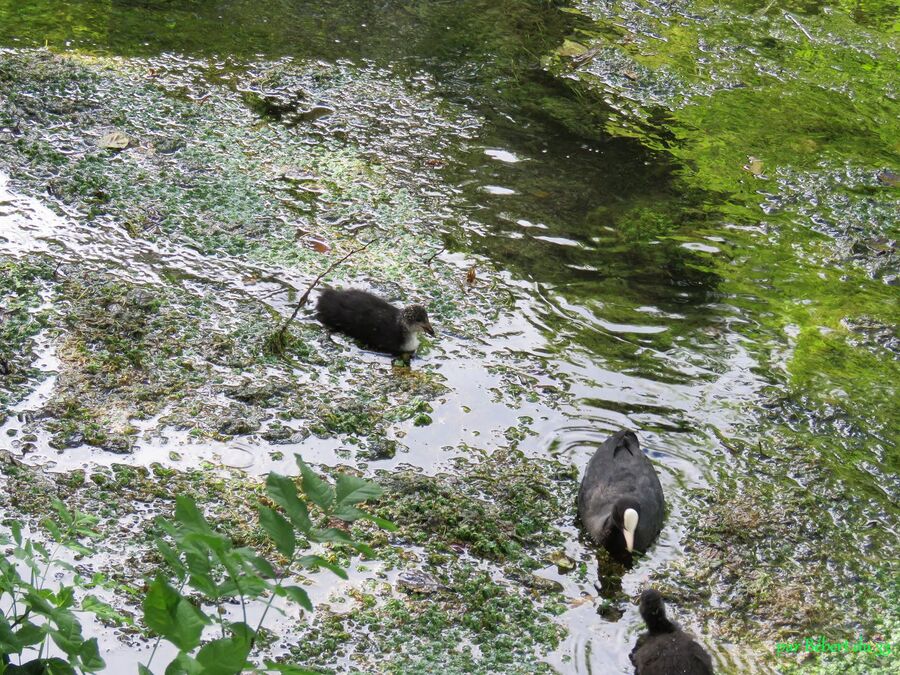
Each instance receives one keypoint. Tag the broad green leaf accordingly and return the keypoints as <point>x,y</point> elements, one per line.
<point>56,666</point>
<point>241,631</point>
<point>350,514</point>
<point>16,528</point>
<point>317,490</point>
<point>62,511</point>
<point>90,656</point>
<point>53,529</point>
<point>37,603</point>
<point>104,611</point>
<point>258,563</point>
<point>225,656</point>
<point>65,597</point>
<point>365,549</point>
<point>184,664</point>
<point>67,636</point>
<point>250,586</point>
<point>296,594</point>
<point>8,642</point>
<point>331,534</point>
<point>381,522</point>
<point>352,490</point>
<point>279,530</point>
<point>172,616</point>
<point>29,634</point>
<point>144,670</point>
<point>283,492</point>
<point>318,561</point>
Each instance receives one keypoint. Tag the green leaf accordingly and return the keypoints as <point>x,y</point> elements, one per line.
<point>189,516</point>
<point>65,597</point>
<point>365,549</point>
<point>57,666</point>
<point>258,563</point>
<point>104,611</point>
<point>53,529</point>
<point>67,635</point>
<point>30,634</point>
<point>351,513</point>
<point>38,604</point>
<point>352,490</point>
<point>16,528</point>
<point>288,669</point>
<point>381,522</point>
<point>144,670</point>
<point>64,514</point>
<point>241,631</point>
<point>171,615</point>
<point>279,530</point>
<point>225,656</point>
<point>90,656</point>
<point>249,586</point>
<point>283,492</point>
<point>170,556</point>
<point>317,490</point>
<point>331,534</point>
<point>318,561</point>
<point>184,665</point>
<point>296,594</point>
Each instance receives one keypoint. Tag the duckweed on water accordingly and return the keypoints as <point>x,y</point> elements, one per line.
<point>21,285</point>
<point>479,534</point>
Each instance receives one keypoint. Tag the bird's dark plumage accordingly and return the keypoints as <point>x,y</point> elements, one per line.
<point>373,321</point>
<point>620,479</point>
<point>665,649</point>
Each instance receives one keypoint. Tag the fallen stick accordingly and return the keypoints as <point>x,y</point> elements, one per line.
<point>800,26</point>
<point>279,334</point>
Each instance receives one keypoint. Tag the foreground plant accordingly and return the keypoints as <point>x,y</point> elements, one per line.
<point>206,571</point>
<point>38,615</point>
<point>207,562</point>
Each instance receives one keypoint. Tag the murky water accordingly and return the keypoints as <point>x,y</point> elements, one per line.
<point>646,280</point>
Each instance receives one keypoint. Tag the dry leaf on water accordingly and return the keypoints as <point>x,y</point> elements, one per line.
<point>318,245</point>
<point>114,140</point>
<point>754,165</point>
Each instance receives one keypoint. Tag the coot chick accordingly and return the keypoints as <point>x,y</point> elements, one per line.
<point>665,649</point>
<point>620,501</point>
<point>373,321</point>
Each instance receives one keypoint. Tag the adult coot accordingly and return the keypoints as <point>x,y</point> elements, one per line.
<point>665,649</point>
<point>373,321</point>
<point>620,501</point>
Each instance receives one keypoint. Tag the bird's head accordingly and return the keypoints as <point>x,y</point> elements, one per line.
<point>652,607</point>
<point>416,319</point>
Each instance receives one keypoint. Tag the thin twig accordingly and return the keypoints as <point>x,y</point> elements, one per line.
<point>305,297</point>
<point>800,26</point>
<point>431,258</point>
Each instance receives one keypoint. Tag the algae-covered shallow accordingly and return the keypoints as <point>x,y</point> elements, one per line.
<point>675,217</point>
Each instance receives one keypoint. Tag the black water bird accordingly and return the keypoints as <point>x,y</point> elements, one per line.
<point>373,321</point>
<point>620,501</point>
<point>665,649</point>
